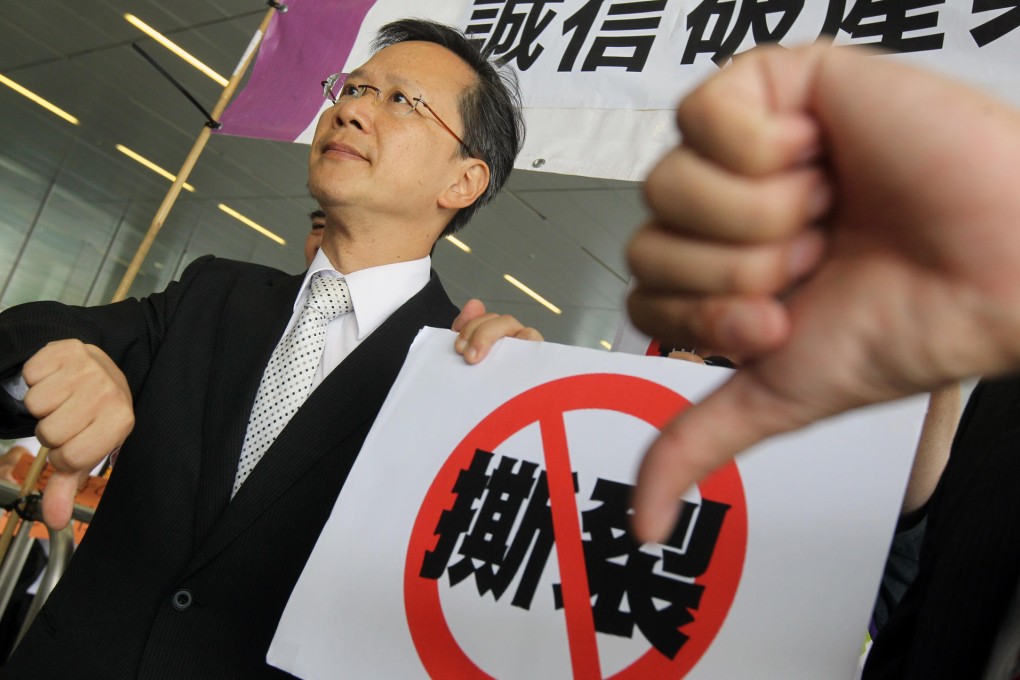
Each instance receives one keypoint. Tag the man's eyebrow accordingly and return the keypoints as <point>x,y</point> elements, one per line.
<point>358,76</point>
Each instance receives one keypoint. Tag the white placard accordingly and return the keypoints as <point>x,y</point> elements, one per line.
<point>777,570</point>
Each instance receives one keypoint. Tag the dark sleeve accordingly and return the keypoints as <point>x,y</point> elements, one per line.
<point>129,331</point>
<point>900,571</point>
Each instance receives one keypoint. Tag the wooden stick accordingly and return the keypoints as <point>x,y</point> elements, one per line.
<point>189,163</point>
<point>26,488</point>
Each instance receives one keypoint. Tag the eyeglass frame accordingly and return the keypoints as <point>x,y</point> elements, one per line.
<point>333,78</point>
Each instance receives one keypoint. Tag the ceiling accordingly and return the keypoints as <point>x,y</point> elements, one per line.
<point>562,236</point>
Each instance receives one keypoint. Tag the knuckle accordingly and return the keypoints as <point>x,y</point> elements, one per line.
<point>35,404</point>
<point>71,454</point>
<point>638,252</point>
<point>660,187</point>
<point>48,435</point>
<point>69,347</point>
<point>125,421</point>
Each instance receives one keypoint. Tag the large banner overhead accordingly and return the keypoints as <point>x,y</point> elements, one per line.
<point>601,78</point>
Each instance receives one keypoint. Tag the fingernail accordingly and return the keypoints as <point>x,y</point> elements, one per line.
<point>471,354</point>
<point>460,344</point>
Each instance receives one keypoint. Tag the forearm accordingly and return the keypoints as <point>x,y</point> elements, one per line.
<point>129,332</point>
<point>933,447</point>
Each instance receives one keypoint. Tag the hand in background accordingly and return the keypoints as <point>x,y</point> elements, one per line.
<point>84,407</point>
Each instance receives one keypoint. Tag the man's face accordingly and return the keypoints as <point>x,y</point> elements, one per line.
<point>394,165</point>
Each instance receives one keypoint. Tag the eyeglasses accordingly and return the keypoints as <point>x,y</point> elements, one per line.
<point>396,102</point>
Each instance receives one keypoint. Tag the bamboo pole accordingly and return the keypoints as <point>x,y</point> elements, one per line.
<point>189,163</point>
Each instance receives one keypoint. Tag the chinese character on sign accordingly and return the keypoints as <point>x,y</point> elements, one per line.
<point>998,26</point>
<point>722,41</point>
<point>719,27</point>
<point>618,568</point>
<point>486,523</point>
<point>623,39</point>
<point>502,521</point>
<point>511,28</point>
<point>603,33</point>
<point>888,21</point>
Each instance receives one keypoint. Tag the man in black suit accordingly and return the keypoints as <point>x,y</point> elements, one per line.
<point>190,558</point>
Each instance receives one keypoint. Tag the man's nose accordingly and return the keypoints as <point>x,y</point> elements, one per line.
<point>358,112</point>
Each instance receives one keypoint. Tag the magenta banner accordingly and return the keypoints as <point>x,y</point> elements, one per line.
<point>302,46</point>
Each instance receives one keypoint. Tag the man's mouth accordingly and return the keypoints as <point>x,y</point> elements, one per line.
<point>342,150</point>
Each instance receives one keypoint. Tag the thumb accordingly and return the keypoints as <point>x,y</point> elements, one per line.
<point>742,412</point>
<point>58,498</point>
<point>473,309</point>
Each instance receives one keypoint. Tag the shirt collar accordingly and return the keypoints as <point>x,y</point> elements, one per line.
<point>376,292</point>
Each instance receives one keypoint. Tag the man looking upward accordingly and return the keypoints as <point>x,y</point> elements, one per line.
<point>237,450</point>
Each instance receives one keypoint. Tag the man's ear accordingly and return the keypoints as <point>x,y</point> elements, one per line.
<point>471,183</point>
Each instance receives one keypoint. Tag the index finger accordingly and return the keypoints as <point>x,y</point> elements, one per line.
<point>473,309</point>
<point>752,118</point>
<point>49,359</point>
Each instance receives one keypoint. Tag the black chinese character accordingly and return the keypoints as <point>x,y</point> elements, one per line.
<point>888,21</point>
<point>488,551</point>
<point>753,16</point>
<point>624,39</point>
<point>469,487</point>
<point>509,28</point>
<point>631,587</point>
<point>1000,25</point>
<point>617,567</point>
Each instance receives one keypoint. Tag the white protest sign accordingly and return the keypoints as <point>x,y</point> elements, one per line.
<point>481,532</point>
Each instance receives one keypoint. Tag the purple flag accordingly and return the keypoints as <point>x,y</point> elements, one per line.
<point>301,47</point>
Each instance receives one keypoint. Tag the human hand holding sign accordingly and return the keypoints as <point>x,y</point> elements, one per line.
<point>846,224</point>
<point>84,407</point>
<point>479,330</point>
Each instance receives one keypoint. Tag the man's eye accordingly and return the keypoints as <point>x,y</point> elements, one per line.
<point>399,98</point>
<point>351,91</point>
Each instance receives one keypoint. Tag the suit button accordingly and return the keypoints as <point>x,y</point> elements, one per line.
<point>181,600</point>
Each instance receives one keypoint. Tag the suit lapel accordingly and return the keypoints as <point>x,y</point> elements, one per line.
<point>254,318</point>
<point>346,400</point>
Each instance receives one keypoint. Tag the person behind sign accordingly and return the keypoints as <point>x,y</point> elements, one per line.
<point>314,238</point>
<point>197,544</point>
<point>912,282</point>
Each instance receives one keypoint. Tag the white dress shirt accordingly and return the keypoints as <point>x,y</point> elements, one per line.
<point>376,293</point>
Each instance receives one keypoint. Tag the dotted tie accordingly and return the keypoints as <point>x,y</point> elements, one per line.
<point>287,379</point>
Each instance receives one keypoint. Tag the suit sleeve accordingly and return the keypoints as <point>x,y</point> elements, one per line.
<point>130,332</point>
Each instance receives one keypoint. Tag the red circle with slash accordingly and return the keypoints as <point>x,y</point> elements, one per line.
<point>546,404</point>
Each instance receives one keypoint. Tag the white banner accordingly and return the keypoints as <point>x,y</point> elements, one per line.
<point>601,78</point>
<point>483,532</point>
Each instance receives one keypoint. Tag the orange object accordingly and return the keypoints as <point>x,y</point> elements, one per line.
<point>89,496</point>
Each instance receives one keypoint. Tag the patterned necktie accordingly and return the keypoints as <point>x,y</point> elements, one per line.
<point>287,379</point>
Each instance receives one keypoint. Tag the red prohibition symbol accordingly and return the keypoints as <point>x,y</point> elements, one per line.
<point>546,404</point>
